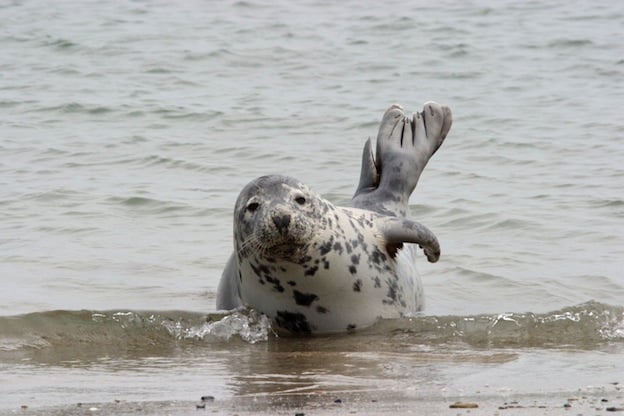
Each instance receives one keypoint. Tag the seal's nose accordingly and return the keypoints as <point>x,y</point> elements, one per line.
<point>281,222</point>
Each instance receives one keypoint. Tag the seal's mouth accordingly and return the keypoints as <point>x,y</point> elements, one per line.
<point>281,239</point>
<point>289,249</point>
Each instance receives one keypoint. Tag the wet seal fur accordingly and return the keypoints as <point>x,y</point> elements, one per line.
<point>314,267</point>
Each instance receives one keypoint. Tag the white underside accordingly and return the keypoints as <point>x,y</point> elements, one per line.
<point>407,272</point>
<point>334,288</point>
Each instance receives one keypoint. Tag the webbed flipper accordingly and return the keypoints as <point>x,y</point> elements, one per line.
<point>404,146</point>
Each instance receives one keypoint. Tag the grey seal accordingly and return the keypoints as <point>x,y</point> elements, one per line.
<point>313,267</point>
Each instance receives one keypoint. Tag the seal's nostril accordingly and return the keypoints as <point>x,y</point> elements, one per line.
<point>282,223</point>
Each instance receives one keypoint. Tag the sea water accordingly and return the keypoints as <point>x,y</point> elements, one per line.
<point>128,128</point>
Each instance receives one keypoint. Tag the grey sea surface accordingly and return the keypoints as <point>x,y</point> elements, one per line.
<point>128,128</point>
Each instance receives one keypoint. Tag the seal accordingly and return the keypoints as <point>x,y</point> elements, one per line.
<point>313,267</point>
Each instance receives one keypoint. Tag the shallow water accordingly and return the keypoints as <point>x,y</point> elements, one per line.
<point>127,130</point>
<point>52,356</point>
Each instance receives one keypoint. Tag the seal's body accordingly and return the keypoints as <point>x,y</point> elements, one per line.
<point>313,267</point>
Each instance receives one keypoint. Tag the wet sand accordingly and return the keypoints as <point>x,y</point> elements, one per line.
<point>597,400</point>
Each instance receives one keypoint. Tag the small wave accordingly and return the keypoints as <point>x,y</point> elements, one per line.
<point>185,113</point>
<point>159,70</point>
<point>156,160</point>
<point>569,43</point>
<point>75,108</point>
<point>583,326</point>
<point>607,203</point>
<point>88,334</point>
<point>51,196</point>
<point>511,224</point>
<point>472,221</point>
<point>93,333</point>
<point>247,5</point>
<point>151,205</point>
<point>59,43</point>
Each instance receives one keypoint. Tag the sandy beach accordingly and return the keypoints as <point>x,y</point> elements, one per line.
<point>604,400</point>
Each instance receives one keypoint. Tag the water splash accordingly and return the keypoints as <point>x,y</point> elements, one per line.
<point>249,325</point>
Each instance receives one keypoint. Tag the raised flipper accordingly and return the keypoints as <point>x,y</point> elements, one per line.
<point>397,231</point>
<point>404,146</point>
<point>369,176</point>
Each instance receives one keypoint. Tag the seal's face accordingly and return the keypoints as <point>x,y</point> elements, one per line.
<point>276,217</point>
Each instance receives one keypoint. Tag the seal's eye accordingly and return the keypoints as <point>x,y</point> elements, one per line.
<point>300,200</point>
<point>252,207</point>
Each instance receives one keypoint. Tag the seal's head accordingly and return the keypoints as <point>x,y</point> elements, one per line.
<point>276,217</point>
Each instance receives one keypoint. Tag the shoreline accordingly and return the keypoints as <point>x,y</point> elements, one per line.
<point>608,400</point>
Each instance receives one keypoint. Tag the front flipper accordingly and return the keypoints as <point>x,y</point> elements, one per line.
<point>228,292</point>
<point>397,231</point>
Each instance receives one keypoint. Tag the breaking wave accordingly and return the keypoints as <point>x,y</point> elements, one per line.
<point>588,325</point>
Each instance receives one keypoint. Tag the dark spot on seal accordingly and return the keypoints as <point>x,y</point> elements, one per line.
<point>352,269</point>
<point>325,264</point>
<point>305,259</point>
<point>311,271</point>
<point>351,327</point>
<point>326,246</point>
<point>377,281</point>
<point>338,247</point>
<point>292,283</point>
<point>392,292</point>
<point>277,285</point>
<point>321,309</point>
<point>357,285</point>
<point>378,256</point>
<point>349,249</point>
<point>304,299</point>
<point>295,322</point>
<point>352,224</point>
<point>355,259</point>
<point>240,276</point>
<point>255,269</point>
